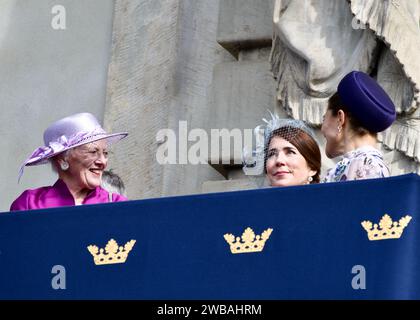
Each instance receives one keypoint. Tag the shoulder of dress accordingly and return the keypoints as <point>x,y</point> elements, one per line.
<point>116,197</point>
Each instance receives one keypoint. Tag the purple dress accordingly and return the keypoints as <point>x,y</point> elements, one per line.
<point>59,196</point>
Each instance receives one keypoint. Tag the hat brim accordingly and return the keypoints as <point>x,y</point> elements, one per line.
<point>111,139</point>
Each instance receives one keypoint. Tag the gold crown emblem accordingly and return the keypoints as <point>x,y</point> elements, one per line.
<point>387,228</point>
<point>112,253</point>
<point>249,242</point>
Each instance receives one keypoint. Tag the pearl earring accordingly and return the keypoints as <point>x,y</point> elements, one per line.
<point>339,129</point>
<point>310,179</point>
<point>64,165</point>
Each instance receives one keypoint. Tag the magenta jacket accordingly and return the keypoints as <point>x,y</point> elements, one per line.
<point>58,196</point>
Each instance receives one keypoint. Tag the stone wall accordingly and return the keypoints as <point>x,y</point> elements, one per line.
<point>45,75</point>
<point>203,62</point>
<point>163,56</point>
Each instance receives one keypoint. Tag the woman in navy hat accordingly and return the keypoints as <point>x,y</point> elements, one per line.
<point>356,113</point>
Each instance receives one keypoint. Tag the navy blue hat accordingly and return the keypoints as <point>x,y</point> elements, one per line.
<point>367,101</point>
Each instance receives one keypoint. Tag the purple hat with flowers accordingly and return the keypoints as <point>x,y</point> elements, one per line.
<point>367,101</point>
<point>68,133</point>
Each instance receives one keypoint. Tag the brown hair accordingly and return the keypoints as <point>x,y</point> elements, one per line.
<point>335,104</point>
<point>305,144</point>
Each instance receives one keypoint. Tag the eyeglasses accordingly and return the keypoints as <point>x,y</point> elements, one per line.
<point>93,152</point>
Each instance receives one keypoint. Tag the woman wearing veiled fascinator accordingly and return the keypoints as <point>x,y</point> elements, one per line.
<point>288,155</point>
<point>77,148</point>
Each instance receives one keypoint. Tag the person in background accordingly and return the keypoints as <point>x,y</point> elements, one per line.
<point>356,113</point>
<point>77,148</point>
<point>112,182</point>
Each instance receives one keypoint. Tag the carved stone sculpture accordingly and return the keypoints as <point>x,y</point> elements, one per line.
<point>317,42</point>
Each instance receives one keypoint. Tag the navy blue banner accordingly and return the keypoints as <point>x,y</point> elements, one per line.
<point>315,246</point>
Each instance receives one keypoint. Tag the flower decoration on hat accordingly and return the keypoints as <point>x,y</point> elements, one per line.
<point>68,133</point>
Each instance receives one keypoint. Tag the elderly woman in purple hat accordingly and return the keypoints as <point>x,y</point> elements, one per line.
<point>77,148</point>
<point>355,114</point>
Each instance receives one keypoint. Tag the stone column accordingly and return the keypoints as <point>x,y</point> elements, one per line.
<point>163,55</point>
<point>244,90</point>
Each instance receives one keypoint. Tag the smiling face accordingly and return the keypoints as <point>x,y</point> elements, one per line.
<point>86,164</point>
<point>285,165</point>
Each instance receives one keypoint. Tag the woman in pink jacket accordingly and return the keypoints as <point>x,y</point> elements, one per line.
<point>77,148</point>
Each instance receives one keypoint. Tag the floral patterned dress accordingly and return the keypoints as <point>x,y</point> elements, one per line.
<point>363,163</point>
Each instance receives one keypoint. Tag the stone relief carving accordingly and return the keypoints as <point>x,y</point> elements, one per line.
<point>317,42</point>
